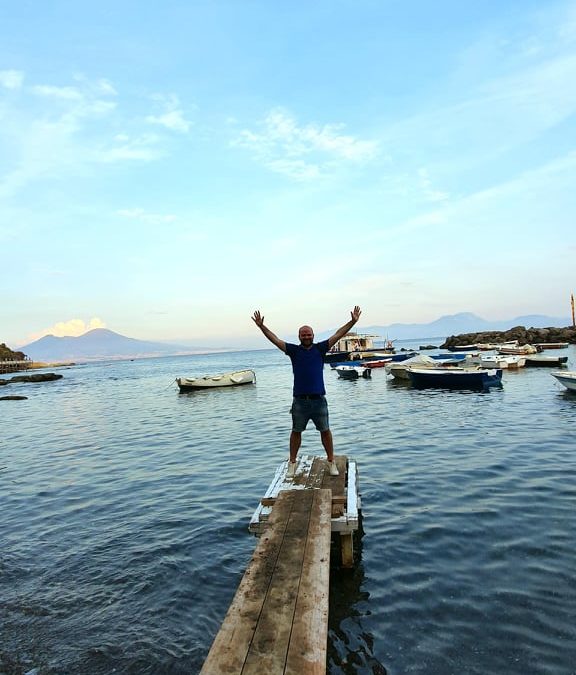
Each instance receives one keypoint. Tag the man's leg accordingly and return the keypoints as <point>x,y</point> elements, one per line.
<point>295,441</point>
<point>328,443</point>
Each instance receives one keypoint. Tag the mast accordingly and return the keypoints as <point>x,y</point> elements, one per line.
<point>572,303</point>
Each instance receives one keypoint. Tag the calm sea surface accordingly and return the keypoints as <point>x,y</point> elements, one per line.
<point>124,508</point>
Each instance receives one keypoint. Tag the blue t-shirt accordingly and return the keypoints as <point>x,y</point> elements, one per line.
<point>308,367</point>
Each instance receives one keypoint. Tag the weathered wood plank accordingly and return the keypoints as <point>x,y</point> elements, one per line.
<point>308,643</point>
<point>230,647</point>
<point>316,473</point>
<point>278,620</point>
<point>336,483</point>
<point>269,647</point>
<point>347,548</point>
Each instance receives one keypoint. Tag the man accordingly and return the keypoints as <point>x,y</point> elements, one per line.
<point>309,402</point>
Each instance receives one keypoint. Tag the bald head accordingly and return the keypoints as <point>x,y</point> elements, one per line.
<point>306,336</point>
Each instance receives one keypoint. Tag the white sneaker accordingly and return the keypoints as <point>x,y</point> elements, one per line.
<point>291,470</point>
<point>333,469</point>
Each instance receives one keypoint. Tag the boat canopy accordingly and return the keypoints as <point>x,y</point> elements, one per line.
<point>355,342</point>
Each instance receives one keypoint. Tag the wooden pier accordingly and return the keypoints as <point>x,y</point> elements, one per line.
<point>14,365</point>
<point>278,620</point>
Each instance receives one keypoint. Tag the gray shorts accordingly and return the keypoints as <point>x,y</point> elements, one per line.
<point>304,409</point>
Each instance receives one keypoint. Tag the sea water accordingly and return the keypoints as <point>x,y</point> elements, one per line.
<point>124,509</point>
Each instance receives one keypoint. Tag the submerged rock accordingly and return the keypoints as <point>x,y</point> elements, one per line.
<point>36,377</point>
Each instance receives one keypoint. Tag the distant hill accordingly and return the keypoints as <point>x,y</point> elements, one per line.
<point>455,324</point>
<point>102,343</point>
<point>99,343</point>
<point>7,354</point>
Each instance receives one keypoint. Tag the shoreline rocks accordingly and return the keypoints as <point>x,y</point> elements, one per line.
<point>525,336</point>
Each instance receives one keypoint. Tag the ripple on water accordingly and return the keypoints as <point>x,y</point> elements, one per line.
<point>125,508</point>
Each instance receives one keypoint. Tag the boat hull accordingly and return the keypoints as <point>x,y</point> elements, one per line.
<point>568,379</point>
<point>545,361</point>
<point>353,372</point>
<point>452,378</point>
<point>233,379</point>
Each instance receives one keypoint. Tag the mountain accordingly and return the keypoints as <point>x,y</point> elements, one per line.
<point>99,343</point>
<point>455,324</point>
<point>102,343</point>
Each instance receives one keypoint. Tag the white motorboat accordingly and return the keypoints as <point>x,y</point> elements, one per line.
<point>232,379</point>
<point>567,378</point>
<point>502,361</point>
<point>541,360</point>
<point>353,372</point>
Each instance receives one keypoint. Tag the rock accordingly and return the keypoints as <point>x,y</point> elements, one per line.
<point>37,377</point>
<point>525,336</point>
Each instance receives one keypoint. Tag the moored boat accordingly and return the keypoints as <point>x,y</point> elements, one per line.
<point>567,378</point>
<point>353,372</point>
<point>352,345</point>
<point>539,360</point>
<point>456,378</point>
<point>376,363</point>
<point>463,348</point>
<point>233,379</point>
<point>399,371</point>
<point>520,350</point>
<point>457,359</point>
<point>502,361</point>
<point>551,345</point>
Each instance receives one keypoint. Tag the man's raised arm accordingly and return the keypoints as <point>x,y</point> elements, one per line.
<point>274,339</point>
<point>341,332</point>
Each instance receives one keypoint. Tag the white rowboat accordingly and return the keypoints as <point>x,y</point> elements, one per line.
<point>233,379</point>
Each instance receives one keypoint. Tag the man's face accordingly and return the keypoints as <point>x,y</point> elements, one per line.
<point>306,336</point>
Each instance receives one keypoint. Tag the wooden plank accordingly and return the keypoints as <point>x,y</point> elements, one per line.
<point>231,645</point>
<point>278,620</point>
<point>347,547</point>
<point>309,640</point>
<point>270,501</point>
<point>313,473</point>
<point>352,494</point>
<point>316,474</point>
<point>269,647</point>
<point>336,483</point>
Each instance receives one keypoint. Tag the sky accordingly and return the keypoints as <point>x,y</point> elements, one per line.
<point>168,168</point>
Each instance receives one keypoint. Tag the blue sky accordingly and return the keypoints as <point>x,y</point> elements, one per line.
<point>167,168</point>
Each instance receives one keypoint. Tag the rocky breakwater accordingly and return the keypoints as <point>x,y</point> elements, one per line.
<point>524,336</point>
<point>36,377</point>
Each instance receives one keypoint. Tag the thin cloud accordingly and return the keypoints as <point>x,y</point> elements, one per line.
<point>428,191</point>
<point>11,79</point>
<point>70,328</point>
<point>141,148</point>
<point>172,117</point>
<point>302,152</point>
<point>69,93</point>
<point>145,217</point>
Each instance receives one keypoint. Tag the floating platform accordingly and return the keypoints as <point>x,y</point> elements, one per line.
<point>312,473</point>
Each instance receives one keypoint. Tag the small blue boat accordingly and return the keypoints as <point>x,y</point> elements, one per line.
<point>456,378</point>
